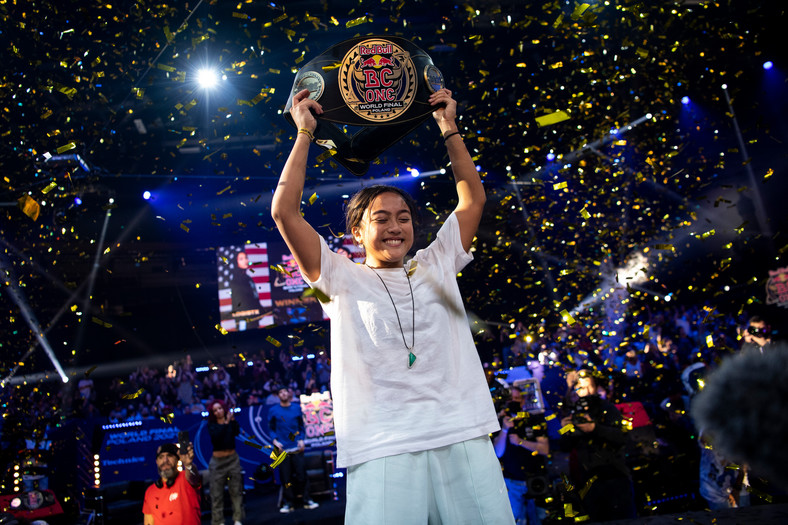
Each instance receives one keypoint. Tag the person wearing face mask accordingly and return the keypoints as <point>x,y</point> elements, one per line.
<point>401,349</point>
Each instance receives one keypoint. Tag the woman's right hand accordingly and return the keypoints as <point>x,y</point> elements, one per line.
<point>300,110</point>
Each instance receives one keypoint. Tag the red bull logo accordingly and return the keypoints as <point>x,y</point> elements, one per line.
<point>377,61</point>
<point>377,80</point>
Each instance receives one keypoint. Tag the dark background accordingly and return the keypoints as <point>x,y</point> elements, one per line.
<point>134,282</point>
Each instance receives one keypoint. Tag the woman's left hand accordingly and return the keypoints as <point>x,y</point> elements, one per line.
<point>445,115</point>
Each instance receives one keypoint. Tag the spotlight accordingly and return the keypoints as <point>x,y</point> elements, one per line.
<point>207,78</point>
<point>768,65</point>
<point>550,157</point>
<point>77,201</point>
<point>146,195</point>
<point>685,100</point>
<point>414,172</point>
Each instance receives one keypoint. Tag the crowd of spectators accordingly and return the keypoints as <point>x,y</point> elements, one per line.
<point>657,358</point>
<point>184,388</point>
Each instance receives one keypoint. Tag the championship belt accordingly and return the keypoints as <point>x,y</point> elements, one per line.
<point>382,83</point>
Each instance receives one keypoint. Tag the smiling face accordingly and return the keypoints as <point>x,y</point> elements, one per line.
<point>385,231</point>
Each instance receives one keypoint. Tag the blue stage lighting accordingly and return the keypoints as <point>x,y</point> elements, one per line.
<point>768,65</point>
<point>146,195</point>
<point>685,100</point>
<point>77,201</point>
<point>550,157</point>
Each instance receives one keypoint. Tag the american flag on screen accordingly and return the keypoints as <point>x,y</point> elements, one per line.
<point>257,255</point>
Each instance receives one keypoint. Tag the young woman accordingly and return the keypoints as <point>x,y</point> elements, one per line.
<point>412,409</point>
<point>225,465</point>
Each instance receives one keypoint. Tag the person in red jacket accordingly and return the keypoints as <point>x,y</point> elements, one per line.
<point>174,499</point>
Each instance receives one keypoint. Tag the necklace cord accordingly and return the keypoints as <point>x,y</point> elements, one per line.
<point>396,312</point>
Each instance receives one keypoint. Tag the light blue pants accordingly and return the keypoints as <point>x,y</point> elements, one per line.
<point>459,484</point>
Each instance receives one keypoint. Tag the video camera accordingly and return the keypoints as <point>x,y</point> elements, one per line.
<point>758,331</point>
<point>585,406</point>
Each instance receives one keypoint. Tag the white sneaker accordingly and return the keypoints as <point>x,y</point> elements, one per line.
<point>286,508</point>
<point>310,505</point>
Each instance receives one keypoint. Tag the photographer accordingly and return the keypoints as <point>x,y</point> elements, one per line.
<point>757,336</point>
<point>594,433</point>
<point>522,446</point>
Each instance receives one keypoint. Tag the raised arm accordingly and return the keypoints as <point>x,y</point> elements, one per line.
<point>470,191</point>
<point>299,235</point>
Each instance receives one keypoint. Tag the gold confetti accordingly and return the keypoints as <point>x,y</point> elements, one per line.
<point>281,269</point>
<point>566,316</point>
<point>221,329</point>
<point>316,292</point>
<point>552,118</point>
<point>326,154</point>
<point>579,10</point>
<point>101,323</point>
<point>135,395</point>
<point>69,146</point>
<point>313,198</point>
<point>278,458</point>
<point>273,341</point>
<point>559,185</point>
<point>29,206</point>
<point>358,21</point>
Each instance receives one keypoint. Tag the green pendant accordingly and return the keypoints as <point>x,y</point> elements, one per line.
<point>411,359</point>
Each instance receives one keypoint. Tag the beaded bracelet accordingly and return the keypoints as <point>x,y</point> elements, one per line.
<point>307,133</point>
<point>447,137</point>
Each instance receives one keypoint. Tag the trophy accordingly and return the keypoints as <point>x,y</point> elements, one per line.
<point>381,83</point>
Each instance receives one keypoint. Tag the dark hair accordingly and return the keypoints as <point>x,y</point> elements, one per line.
<point>742,407</point>
<point>361,200</point>
<point>211,416</point>
<point>756,319</point>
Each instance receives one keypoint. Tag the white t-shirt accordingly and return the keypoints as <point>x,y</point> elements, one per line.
<point>381,407</point>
